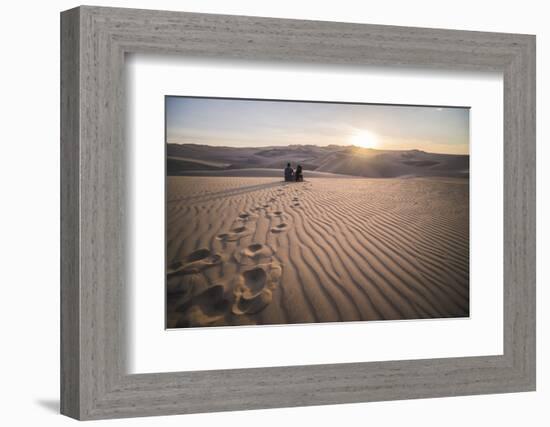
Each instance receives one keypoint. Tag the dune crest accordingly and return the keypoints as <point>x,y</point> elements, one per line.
<point>327,161</point>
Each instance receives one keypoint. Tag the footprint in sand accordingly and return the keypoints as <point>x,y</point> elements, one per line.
<point>234,234</point>
<point>255,289</point>
<point>275,214</point>
<point>186,285</point>
<point>194,263</point>
<point>245,216</point>
<point>295,205</point>
<point>205,308</point>
<point>280,228</point>
<point>210,296</point>
<point>254,252</point>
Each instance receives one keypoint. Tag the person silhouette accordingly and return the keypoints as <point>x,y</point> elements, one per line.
<point>299,175</point>
<point>289,173</point>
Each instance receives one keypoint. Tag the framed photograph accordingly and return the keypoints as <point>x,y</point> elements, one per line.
<point>263,213</point>
<point>332,212</point>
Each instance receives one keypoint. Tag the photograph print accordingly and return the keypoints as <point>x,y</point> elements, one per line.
<point>293,212</point>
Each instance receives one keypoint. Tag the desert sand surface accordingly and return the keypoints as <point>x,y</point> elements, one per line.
<point>260,172</point>
<point>254,250</point>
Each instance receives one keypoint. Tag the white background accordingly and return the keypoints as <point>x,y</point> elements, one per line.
<point>152,349</point>
<point>29,233</point>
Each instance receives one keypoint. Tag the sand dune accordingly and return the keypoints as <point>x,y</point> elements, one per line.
<point>192,159</point>
<point>255,250</point>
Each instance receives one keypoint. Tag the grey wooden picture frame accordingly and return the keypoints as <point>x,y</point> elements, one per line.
<point>94,381</point>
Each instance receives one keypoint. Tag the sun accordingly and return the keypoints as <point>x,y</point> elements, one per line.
<point>365,139</point>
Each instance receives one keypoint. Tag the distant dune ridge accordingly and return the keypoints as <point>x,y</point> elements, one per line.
<point>256,250</point>
<point>194,159</point>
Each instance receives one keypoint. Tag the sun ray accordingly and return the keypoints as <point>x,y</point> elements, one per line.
<point>365,139</point>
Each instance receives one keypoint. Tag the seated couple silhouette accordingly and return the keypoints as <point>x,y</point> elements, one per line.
<point>293,175</point>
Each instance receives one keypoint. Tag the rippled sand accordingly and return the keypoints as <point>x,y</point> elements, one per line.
<point>256,250</point>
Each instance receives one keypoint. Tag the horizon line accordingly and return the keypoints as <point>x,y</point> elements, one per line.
<point>313,145</point>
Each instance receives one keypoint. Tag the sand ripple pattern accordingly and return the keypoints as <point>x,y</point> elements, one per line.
<point>244,251</point>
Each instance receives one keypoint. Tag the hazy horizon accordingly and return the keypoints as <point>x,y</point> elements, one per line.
<point>247,123</point>
<point>260,147</point>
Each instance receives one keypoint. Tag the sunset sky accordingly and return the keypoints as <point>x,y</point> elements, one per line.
<point>254,123</point>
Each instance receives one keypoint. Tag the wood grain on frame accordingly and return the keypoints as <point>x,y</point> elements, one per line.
<point>94,381</point>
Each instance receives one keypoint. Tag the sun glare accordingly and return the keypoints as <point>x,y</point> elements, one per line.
<point>364,139</point>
